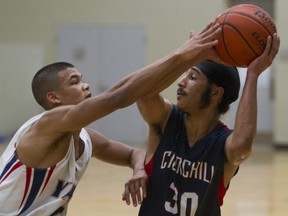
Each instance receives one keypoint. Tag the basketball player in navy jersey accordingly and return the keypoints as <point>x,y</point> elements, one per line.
<point>192,155</point>
<point>45,160</point>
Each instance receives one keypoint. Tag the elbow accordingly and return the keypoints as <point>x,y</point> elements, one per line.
<point>239,156</point>
<point>240,151</point>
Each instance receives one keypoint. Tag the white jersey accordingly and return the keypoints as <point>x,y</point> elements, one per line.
<point>28,191</point>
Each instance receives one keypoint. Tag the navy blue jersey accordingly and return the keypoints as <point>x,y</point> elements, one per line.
<point>184,180</point>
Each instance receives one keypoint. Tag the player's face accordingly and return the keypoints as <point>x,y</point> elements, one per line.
<point>193,93</point>
<point>72,89</point>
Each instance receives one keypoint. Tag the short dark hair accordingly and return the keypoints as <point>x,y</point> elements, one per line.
<point>45,80</point>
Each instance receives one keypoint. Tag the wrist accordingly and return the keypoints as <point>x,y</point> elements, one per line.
<point>138,169</point>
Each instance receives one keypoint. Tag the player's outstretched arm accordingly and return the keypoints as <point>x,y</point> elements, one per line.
<point>238,146</point>
<point>157,75</point>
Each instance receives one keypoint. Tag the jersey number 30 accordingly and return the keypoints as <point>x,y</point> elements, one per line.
<point>188,203</point>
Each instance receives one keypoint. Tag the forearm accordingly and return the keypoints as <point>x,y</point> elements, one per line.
<point>154,77</point>
<point>246,119</point>
<point>115,152</point>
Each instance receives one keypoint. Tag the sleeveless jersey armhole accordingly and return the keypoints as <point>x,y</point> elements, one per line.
<point>221,191</point>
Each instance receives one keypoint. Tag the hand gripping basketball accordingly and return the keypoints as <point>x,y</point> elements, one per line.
<point>244,32</point>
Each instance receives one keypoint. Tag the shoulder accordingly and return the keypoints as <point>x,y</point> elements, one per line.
<point>175,117</point>
<point>33,119</point>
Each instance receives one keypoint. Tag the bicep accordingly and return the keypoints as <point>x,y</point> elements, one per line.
<point>53,121</point>
<point>155,111</point>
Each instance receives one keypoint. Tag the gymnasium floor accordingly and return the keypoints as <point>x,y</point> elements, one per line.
<point>259,189</point>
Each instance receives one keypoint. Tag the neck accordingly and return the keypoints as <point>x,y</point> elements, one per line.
<point>199,126</point>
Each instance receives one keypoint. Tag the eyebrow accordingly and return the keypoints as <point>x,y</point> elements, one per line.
<point>75,75</point>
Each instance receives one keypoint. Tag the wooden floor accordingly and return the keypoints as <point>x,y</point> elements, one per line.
<point>259,189</point>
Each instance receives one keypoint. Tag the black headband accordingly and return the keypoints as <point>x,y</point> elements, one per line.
<point>224,76</point>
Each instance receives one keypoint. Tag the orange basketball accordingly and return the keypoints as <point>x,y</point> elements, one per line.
<point>245,29</point>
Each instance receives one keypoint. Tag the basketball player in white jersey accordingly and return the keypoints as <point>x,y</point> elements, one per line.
<point>47,157</point>
<point>191,155</point>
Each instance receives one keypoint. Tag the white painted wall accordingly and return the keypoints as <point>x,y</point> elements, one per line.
<point>18,64</point>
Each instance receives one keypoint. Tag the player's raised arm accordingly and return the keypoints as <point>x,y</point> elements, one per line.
<point>238,146</point>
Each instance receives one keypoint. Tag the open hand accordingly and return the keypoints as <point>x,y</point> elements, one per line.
<point>133,188</point>
<point>199,45</point>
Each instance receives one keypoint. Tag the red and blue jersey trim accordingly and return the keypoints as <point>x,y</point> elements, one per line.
<point>35,183</point>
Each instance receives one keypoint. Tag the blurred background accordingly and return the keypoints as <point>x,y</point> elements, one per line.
<point>107,40</point>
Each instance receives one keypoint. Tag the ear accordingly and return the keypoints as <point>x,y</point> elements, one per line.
<point>217,92</point>
<point>53,98</point>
